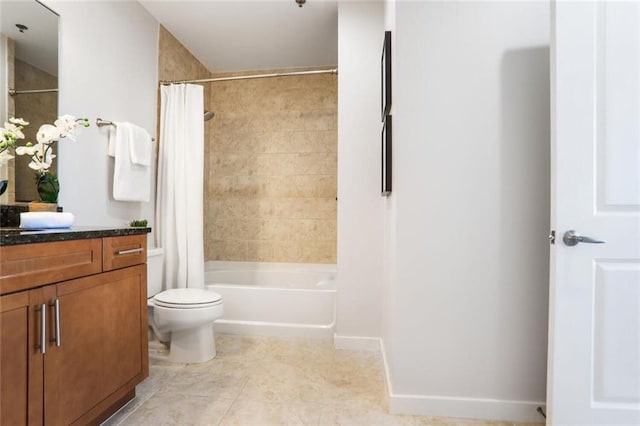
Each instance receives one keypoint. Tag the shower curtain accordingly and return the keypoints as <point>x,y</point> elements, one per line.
<point>179,205</point>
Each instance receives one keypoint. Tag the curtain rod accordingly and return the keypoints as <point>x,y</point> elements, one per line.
<point>246,77</point>
<point>13,92</point>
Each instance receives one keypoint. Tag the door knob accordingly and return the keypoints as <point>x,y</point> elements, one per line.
<point>572,238</point>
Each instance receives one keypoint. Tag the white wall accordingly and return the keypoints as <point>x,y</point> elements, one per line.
<point>108,69</point>
<point>467,324</point>
<point>360,206</point>
<point>389,219</point>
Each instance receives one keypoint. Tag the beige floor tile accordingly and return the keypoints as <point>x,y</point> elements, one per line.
<point>166,365</point>
<point>276,384</point>
<point>183,410</point>
<point>267,413</point>
<point>356,416</point>
<point>158,376</point>
<point>257,381</point>
<point>125,411</point>
<point>449,421</point>
<point>219,365</point>
<point>224,385</point>
<point>453,421</point>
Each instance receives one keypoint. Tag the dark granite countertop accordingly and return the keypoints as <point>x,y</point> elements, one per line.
<point>14,236</point>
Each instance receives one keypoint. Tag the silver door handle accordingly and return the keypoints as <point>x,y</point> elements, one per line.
<point>572,238</point>
<point>43,328</point>
<point>56,311</point>
<point>130,251</point>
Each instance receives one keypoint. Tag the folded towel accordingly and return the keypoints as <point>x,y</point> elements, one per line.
<point>40,220</point>
<point>140,146</point>
<point>132,148</point>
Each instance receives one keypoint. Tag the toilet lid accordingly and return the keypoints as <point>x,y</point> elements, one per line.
<point>187,297</point>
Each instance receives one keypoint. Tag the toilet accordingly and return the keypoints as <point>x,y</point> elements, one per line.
<point>182,317</point>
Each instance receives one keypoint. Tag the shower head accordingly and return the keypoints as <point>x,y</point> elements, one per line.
<point>208,115</point>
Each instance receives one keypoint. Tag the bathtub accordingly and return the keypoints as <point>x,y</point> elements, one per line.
<point>274,299</point>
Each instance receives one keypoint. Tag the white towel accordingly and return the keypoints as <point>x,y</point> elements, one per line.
<point>140,146</point>
<point>41,220</point>
<point>132,148</point>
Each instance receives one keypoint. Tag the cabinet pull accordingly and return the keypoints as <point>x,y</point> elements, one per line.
<point>56,312</point>
<point>43,327</point>
<point>130,251</point>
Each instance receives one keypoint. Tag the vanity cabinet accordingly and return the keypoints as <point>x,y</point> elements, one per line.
<point>73,336</point>
<point>21,396</point>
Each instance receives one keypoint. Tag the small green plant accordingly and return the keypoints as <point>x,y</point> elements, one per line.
<point>138,223</point>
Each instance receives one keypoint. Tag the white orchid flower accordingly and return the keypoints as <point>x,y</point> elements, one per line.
<point>37,166</point>
<point>42,159</point>
<point>18,121</point>
<point>66,124</point>
<point>47,134</point>
<point>11,132</point>
<point>47,161</point>
<point>14,130</point>
<point>42,153</point>
<point>26,150</point>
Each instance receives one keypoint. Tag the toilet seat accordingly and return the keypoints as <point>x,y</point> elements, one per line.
<point>187,298</point>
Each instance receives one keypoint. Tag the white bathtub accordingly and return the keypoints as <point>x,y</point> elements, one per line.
<point>274,299</point>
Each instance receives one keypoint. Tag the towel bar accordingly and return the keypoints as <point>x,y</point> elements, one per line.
<point>100,123</point>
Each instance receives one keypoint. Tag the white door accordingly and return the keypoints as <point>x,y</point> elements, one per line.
<point>594,324</point>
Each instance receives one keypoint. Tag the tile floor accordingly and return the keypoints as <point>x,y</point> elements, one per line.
<point>255,381</point>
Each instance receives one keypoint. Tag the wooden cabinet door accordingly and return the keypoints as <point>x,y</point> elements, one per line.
<point>21,359</point>
<point>103,345</point>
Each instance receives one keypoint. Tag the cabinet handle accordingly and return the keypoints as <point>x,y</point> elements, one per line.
<point>43,327</point>
<point>56,311</point>
<point>130,251</point>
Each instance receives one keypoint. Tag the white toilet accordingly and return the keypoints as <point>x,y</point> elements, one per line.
<point>182,318</point>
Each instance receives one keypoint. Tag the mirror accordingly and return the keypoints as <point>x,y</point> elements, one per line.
<point>28,84</point>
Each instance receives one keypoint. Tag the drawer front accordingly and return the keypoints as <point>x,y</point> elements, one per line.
<point>31,265</point>
<point>120,252</point>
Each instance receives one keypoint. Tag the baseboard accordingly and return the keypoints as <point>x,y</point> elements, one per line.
<point>356,343</point>
<point>387,372</point>
<point>489,409</point>
<point>472,408</point>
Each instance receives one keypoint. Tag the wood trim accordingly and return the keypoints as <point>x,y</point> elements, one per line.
<point>71,268</point>
<point>19,401</point>
<point>112,246</point>
<point>27,266</point>
<point>144,325</point>
<point>110,405</point>
<point>109,411</point>
<point>14,301</point>
<point>36,358</point>
<point>46,294</point>
<point>72,295</point>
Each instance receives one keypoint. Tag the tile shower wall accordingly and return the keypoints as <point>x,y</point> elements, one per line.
<point>175,62</point>
<point>271,190</point>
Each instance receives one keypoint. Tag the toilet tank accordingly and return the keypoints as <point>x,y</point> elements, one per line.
<point>155,270</point>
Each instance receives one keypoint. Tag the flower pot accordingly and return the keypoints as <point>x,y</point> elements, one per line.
<point>48,187</point>
<point>36,206</point>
